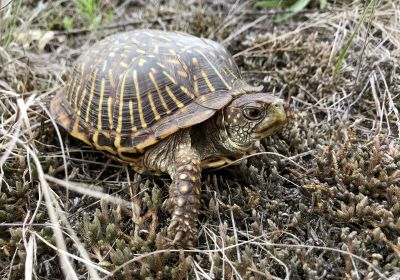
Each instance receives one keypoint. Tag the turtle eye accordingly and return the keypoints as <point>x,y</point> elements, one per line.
<point>253,113</point>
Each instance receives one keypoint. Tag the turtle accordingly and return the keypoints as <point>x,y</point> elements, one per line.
<point>166,103</point>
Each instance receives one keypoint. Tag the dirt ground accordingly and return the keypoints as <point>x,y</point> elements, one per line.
<point>320,200</point>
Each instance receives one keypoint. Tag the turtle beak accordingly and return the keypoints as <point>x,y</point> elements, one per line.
<point>274,120</point>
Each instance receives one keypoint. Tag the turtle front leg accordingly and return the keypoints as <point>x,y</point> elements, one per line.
<point>185,197</point>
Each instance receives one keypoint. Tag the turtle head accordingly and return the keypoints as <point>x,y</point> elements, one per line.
<point>250,117</point>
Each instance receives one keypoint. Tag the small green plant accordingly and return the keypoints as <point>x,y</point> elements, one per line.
<point>293,6</point>
<point>68,23</point>
<point>8,23</point>
<point>90,11</point>
<point>343,53</point>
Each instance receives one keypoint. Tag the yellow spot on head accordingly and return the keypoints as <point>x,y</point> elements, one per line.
<point>183,176</point>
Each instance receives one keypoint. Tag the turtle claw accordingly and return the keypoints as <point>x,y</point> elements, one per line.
<point>181,234</point>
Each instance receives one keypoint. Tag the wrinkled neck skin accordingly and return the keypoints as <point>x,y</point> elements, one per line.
<point>212,140</point>
<point>209,139</point>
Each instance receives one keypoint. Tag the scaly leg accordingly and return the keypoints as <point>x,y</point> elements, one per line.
<point>185,197</point>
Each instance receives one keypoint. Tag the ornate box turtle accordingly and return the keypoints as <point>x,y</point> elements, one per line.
<point>166,102</point>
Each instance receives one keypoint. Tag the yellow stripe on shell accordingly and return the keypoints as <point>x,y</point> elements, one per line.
<point>71,91</point>
<point>153,107</point>
<point>172,61</point>
<point>91,95</point>
<point>163,103</point>
<point>100,108</point>
<point>165,38</point>
<point>210,86</point>
<point>142,62</point>
<point>140,51</point>
<point>121,105</point>
<point>171,94</point>
<point>187,92</point>
<point>76,99</point>
<point>104,65</point>
<point>109,109</point>
<point>78,89</point>
<point>161,65</point>
<point>182,74</point>
<point>170,77</point>
<point>139,101</point>
<point>215,70</point>
<point>196,86</point>
<point>81,101</point>
<point>130,104</point>
<point>111,78</point>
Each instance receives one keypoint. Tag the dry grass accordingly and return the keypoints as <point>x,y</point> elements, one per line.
<point>320,200</point>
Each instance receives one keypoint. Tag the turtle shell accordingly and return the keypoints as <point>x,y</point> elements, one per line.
<point>132,89</point>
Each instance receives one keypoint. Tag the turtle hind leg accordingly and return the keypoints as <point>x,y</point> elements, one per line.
<point>185,197</point>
